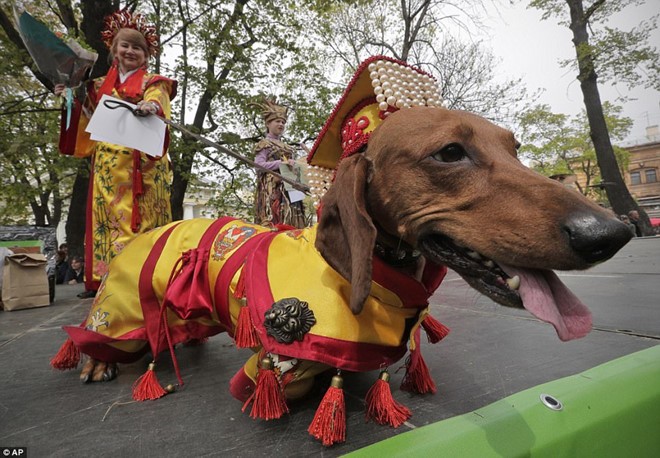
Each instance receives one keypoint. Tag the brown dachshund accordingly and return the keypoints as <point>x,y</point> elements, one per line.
<point>449,185</point>
<point>444,187</point>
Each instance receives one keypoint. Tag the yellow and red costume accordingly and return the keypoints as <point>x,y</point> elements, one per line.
<point>129,192</point>
<point>124,321</point>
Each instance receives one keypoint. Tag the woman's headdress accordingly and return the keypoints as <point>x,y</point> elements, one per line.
<point>123,19</point>
<point>271,110</point>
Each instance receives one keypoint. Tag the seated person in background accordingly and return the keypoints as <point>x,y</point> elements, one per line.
<point>633,216</point>
<point>631,226</point>
<point>61,267</point>
<point>76,271</point>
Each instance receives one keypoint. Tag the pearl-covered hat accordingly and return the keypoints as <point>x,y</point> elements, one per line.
<point>380,86</point>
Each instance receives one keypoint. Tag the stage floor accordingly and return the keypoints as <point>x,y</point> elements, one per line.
<point>492,352</point>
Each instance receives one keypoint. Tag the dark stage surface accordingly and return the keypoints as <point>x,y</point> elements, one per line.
<point>492,352</point>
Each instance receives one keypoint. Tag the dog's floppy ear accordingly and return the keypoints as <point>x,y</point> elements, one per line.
<point>346,234</point>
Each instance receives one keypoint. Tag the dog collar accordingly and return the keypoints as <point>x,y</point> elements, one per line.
<point>396,257</point>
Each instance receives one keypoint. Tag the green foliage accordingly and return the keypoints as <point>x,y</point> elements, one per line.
<point>225,54</point>
<point>228,53</point>
<point>555,143</point>
<point>619,57</point>
<point>609,54</point>
<point>425,33</point>
<point>597,10</point>
<point>626,57</point>
<point>33,175</point>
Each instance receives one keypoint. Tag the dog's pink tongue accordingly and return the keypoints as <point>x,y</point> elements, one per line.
<point>547,298</point>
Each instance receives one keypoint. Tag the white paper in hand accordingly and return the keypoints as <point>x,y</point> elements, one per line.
<point>121,127</point>
<point>294,173</point>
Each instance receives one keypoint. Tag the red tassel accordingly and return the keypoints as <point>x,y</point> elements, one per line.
<point>239,292</point>
<point>67,357</point>
<point>268,400</point>
<point>287,378</point>
<point>329,423</point>
<point>245,335</point>
<point>381,406</point>
<point>147,386</point>
<point>418,378</point>
<point>435,331</point>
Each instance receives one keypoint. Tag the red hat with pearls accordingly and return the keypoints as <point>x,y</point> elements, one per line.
<point>380,86</point>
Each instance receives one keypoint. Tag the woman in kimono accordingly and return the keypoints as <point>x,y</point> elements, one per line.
<point>129,191</point>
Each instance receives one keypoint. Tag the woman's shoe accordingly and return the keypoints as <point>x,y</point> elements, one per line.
<point>86,294</point>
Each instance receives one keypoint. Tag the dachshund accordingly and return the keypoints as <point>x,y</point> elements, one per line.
<point>434,189</point>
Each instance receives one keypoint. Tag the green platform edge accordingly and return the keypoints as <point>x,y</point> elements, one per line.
<point>21,243</point>
<point>611,410</point>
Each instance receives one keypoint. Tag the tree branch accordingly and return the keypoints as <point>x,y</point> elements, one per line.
<point>387,46</point>
<point>592,9</point>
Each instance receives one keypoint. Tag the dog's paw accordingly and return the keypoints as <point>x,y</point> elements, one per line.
<point>97,371</point>
<point>195,342</point>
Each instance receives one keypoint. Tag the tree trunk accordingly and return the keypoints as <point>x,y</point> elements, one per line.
<point>93,14</point>
<point>75,222</point>
<point>182,167</point>
<point>39,214</point>
<point>94,11</point>
<point>617,192</point>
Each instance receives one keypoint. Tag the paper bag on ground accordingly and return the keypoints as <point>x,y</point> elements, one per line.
<point>24,282</point>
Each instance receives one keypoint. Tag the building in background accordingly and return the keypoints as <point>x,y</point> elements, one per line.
<point>195,202</point>
<point>642,178</point>
<point>643,169</point>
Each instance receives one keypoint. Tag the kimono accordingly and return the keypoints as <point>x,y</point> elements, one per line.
<point>129,192</point>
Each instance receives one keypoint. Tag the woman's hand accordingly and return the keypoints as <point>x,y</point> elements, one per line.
<point>147,107</point>
<point>59,89</point>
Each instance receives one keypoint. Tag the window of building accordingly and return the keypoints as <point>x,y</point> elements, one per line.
<point>635,178</point>
<point>651,176</point>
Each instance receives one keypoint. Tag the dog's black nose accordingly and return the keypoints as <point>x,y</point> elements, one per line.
<point>595,238</point>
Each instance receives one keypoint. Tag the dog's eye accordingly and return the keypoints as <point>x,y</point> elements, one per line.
<point>450,153</point>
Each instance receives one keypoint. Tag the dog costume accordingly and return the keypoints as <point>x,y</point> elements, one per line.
<point>272,291</point>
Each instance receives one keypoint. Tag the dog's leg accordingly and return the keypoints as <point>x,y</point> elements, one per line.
<point>97,371</point>
<point>297,380</point>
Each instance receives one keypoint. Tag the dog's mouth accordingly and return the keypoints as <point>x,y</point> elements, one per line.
<point>539,291</point>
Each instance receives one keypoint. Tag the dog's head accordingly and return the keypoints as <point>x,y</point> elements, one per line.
<point>449,184</point>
